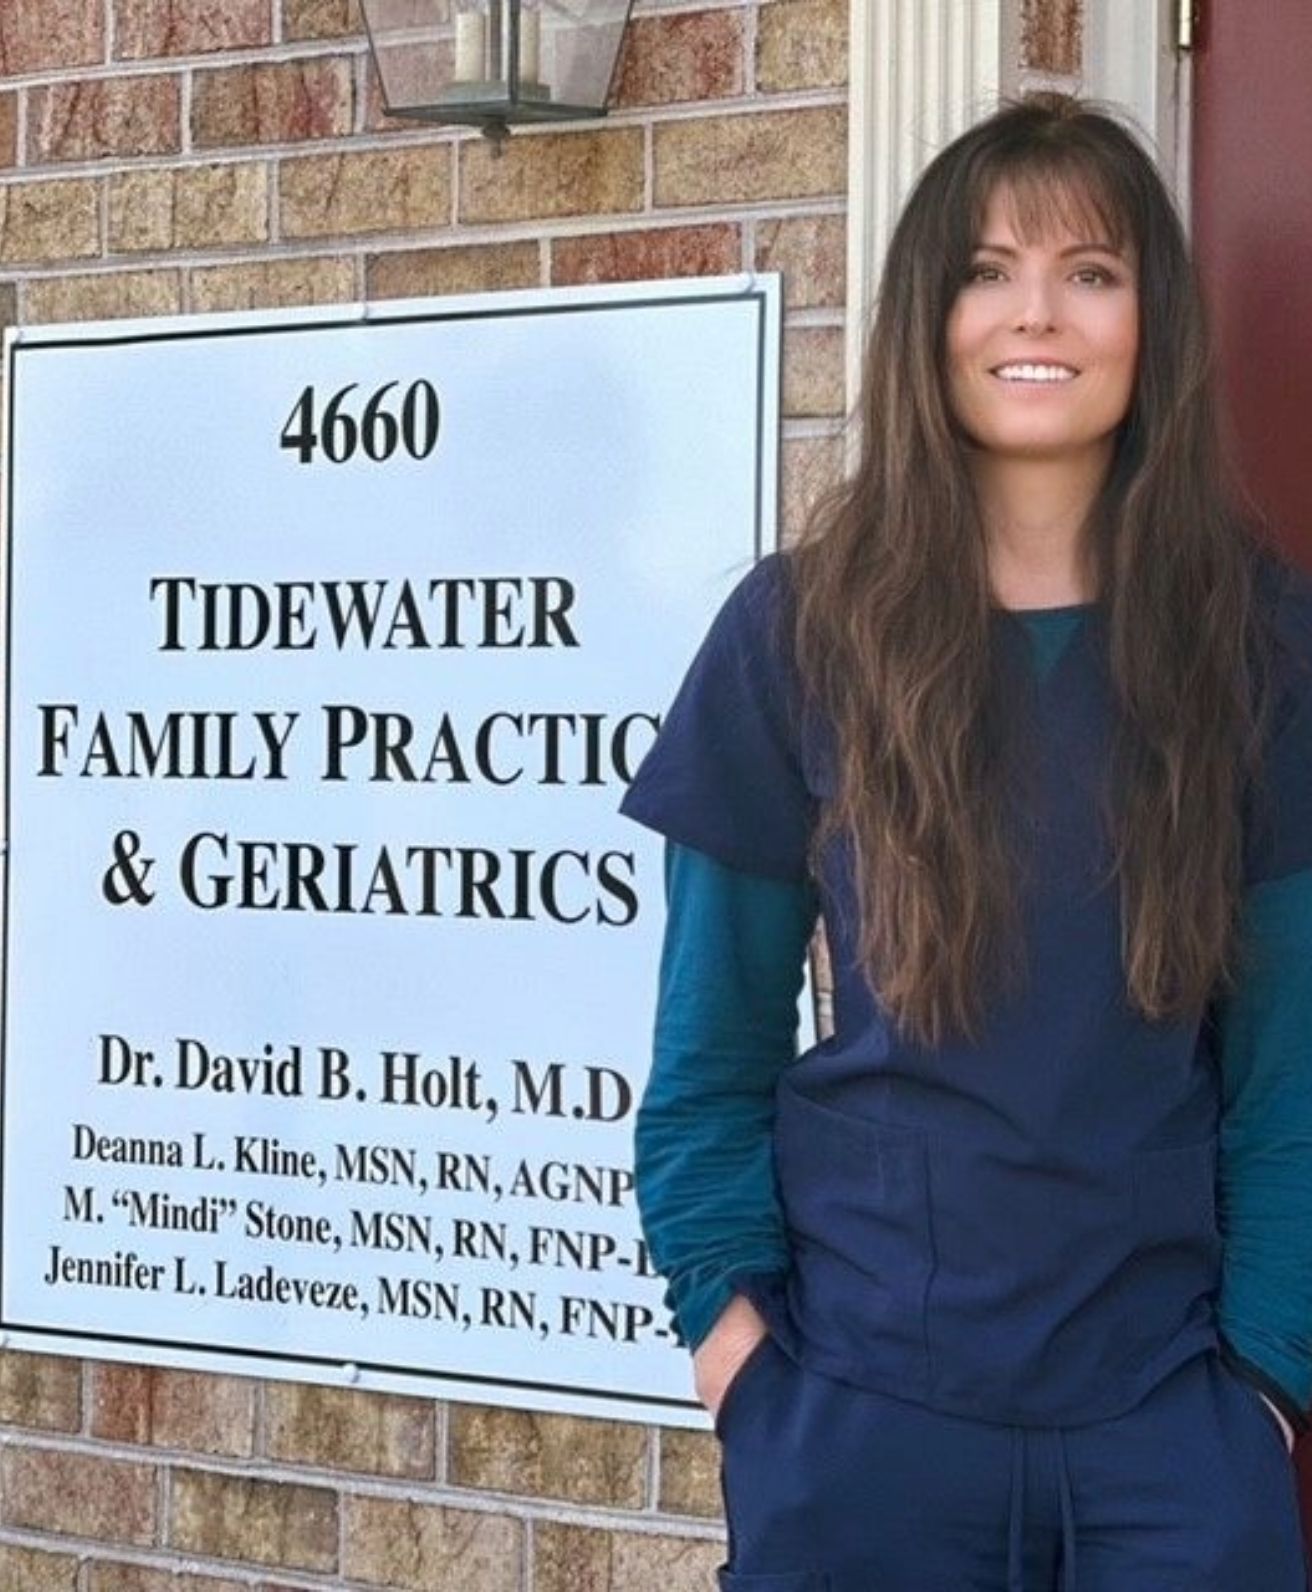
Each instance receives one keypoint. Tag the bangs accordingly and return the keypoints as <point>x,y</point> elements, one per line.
<point>1049,192</point>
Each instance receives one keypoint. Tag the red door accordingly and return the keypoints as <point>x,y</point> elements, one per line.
<point>1252,208</point>
<point>1252,227</point>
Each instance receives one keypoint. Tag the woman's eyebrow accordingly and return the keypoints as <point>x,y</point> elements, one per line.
<point>1074,248</point>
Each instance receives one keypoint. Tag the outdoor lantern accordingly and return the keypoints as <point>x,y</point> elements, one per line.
<point>492,63</point>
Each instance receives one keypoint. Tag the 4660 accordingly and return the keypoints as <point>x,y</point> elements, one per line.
<point>342,429</point>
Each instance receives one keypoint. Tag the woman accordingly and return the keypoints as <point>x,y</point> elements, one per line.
<point>1007,1284</point>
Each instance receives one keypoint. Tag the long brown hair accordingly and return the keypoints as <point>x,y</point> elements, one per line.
<point>893,633</point>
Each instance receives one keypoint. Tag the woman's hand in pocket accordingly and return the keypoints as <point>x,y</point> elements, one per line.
<point>1287,1431</point>
<point>717,1359</point>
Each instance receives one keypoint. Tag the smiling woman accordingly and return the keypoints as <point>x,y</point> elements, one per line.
<point>1008,1282</point>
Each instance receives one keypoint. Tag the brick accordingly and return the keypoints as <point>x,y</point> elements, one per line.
<point>801,44</point>
<point>48,221</point>
<point>40,1390</point>
<point>346,1429</point>
<point>8,129</point>
<point>188,27</point>
<point>416,1546</point>
<point>662,1564</point>
<point>265,1522</point>
<point>813,371</point>
<point>272,284</point>
<point>690,1474</point>
<point>1052,36</point>
<point>218,205</point>
<point>552,174</point>
<point>33,1570</point>
<point>120,1394</point>
<point>810,467</point>
<point>711,250</point>
<point>810,251</point>
<point>281,102</point>
<point>173,1409</point>
<point>467,268</point>
<point>55,33</point>
<point>666,60</point>
<point>763,155</point>
<point>321,19</point>
<point>578,1559</point>
<point>111,1500</point>
<point>196,207</point>
<point>106,116</point>
<point>104,295</point>
<point>572,1559</point>
<point>548,1456</point>
<point>105,1576</point>
<point>382,190</point>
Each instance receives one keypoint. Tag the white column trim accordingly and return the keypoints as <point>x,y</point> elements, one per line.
<point>921,72</point>
<point>1130,57</point>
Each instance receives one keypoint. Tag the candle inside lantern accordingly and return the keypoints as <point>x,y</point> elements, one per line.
<point>530,33</point>
<point>471,44</point>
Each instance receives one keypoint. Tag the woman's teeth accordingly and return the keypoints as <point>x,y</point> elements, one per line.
<point>1034,372</point>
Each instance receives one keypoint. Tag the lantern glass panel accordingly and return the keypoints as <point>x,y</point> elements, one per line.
<point>537,55</point>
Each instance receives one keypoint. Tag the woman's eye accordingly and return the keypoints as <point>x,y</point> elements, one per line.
<point>1086,275</point>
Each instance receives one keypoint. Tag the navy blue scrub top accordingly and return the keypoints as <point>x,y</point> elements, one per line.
<point>1023,1229</point>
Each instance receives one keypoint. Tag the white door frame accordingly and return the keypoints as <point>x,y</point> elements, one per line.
<point>1131,57</point>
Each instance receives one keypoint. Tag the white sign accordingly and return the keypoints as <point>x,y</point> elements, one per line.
<point>334,638</point>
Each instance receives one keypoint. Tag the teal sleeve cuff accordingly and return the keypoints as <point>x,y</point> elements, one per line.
<point>1264,1188</point>
<point>731,971</point>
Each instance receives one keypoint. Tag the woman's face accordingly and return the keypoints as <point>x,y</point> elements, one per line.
<point>1043,341</point>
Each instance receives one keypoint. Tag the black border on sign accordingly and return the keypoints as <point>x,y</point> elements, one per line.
<point>754,296</point>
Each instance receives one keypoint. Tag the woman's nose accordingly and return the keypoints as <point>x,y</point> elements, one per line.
<point>1035,309</point>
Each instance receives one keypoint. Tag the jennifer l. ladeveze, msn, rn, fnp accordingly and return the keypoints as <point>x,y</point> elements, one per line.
<point>1008,1283</point>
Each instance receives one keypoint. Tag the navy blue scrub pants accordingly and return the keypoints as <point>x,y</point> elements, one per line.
<point>831,1488</point>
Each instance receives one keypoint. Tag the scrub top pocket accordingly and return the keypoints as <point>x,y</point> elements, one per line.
<point>1177,1263</point>
<point>855,1194</point>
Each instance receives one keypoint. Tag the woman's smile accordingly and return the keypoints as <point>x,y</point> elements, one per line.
<point>1031,375</point>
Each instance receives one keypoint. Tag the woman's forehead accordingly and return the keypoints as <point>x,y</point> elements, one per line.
<point>1040,208</point>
